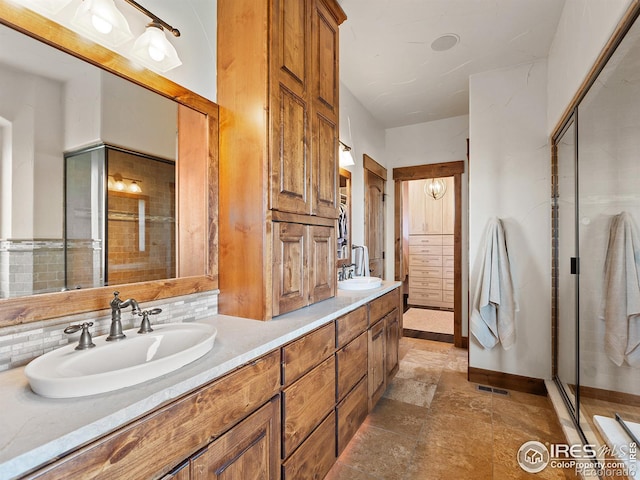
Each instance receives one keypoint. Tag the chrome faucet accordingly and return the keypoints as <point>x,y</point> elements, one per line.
<point>115,332</point>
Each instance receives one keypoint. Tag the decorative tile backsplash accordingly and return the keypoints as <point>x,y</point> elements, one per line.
<point>20,344</point>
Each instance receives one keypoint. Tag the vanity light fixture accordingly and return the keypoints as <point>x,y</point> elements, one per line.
<point>119,184</point>
<point>101,21</point>
<point>346,159</point>
<point>435,188</point>
<point>153,50</point>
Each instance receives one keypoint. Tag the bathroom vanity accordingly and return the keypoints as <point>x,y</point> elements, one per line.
<point>278,399</point>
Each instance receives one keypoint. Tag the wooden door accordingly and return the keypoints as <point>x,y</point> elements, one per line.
<point>322,266</point>
<point>290,284</point>
<point>375,179</point>
<point>249,450</point>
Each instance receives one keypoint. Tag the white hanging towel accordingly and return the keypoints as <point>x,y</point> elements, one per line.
<point>494,307</point>
<point>621,292</point>
<point>361,259</point>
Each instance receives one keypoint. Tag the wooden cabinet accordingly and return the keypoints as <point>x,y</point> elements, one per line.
<point>249,450</point>
<point>431,270</point>
<point>278,95</point>
<point>151,446</point>
<point>427,215</point>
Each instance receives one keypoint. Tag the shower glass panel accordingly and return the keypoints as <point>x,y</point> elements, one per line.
<point>566,281</point>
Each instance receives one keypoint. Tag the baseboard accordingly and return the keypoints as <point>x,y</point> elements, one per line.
<point>438,337</point>
<point>464,342</point>
<point>610,396</point>
<point>508,381</point>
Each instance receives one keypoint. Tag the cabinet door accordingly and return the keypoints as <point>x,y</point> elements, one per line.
<point>324,54</point>
<point>393,336</point>
<point>324,191</point>
<point>249,450</point>
<point>291,43</point>
<point>289,269</point>
<point>351,413</point>
<point>322,265</point>
<point>377,372</point>
<point>448,207</point>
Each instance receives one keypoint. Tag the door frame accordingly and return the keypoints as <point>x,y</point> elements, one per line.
<point>422,172</point>
<point>370,165</point>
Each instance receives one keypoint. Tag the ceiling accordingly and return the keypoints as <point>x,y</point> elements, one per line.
<point>387,62</point>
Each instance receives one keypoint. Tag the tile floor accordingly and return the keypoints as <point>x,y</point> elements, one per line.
<point>433,424</point>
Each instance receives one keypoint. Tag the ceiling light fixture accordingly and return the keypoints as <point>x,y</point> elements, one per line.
<point>445,42</point>
<point>346,159</point>
<point>435,188</point>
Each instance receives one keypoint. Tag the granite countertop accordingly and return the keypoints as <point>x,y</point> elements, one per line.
<point>36,429</point>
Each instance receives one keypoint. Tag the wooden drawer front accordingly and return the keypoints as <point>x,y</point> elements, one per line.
<point>152,445</point>
<point>447,250</point>
<point>447,296</point>
<point>426,260</point>
<point>447,239</point>
<point>351,364</point>
<point>447,272</point>
<point>425,295</point>
<point>433,283</point>
<point>352,411</point>
<point>305,404</point>
<point>351,325</point>
<point>248,450</point>
<point>379,307</point>
<point>447,262</point>
<point>425,249</point>
<point>431,272</point>
<point>303,354</point>
<point>448,284</point>
<point>316,455</point>
<point>425,240</point>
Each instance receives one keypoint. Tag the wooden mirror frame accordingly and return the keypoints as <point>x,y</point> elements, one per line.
<point>197,167</point>
<point>346,174</point>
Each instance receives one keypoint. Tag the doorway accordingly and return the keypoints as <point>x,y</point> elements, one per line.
<point>375,178</point>
<point>429,243</point>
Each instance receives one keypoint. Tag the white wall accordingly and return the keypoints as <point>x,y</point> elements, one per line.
<point>583,30</point>
<point>509,178</point>
<point>364,134</point>
<point>434,142</point>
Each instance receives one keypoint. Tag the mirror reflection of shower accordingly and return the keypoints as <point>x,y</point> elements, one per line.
<point>119,217</point>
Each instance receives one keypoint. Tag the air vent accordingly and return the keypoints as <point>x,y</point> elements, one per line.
<point>497,391</point>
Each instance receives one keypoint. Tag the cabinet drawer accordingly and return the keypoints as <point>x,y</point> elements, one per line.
<point>447,272</point>
<point>316,455</point>
<point>351,325</point>
<point>379,307</point>
<point>425,240</point>
<point>425,250</point>
<point>447,239</point>
<point>426,260</point>
<point>447,262</point>
<point>303,354</point>
<point>448,284</point>
<point>432,283</point>
<point>351,413</point>
<point>447,296</point>
<point>447,250</point>
<point>149,447</point>
<point>431,272</point>
<point>351,364</point>
<point>306,402</point>
<point>425,295</point>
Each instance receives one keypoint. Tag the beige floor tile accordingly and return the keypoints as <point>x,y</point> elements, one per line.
<point>399,417</point>
<point>411,391</point>
<point>340,471</point>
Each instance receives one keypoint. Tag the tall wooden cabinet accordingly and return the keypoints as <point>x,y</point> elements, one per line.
<point>278,90</point>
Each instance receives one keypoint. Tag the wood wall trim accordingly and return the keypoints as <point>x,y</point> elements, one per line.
<point>610,396</point>
<point>431,170</point>
<point>507,381</point>
<point>374,167</point>
<point>21,310</point>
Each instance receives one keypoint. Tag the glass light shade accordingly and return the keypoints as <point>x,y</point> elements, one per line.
<point>154,51</point>
<point>134,187</point>
<point>346,159</point>
<point>435,188</point>
<point>46,7</point>
<point>102,22</point>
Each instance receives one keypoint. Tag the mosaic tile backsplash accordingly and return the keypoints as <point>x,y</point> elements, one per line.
<point>20,344</point>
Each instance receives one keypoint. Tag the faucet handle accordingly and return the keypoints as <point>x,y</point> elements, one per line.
<point>145,326</point>
<point>85,337</point>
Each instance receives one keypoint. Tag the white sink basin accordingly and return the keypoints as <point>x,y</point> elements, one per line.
<point>66,372</point>
<point>360,283</point>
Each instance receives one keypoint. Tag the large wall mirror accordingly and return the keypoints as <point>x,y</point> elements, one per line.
<point>597,245</point>
<point>128,155</point>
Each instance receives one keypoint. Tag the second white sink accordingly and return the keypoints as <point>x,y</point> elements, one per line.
<point>66,372</point>
<point>360,283</point>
